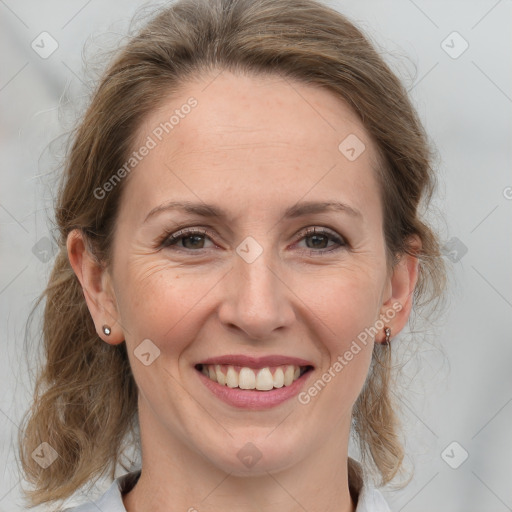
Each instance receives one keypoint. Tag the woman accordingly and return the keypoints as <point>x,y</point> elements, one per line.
<point>240,243</point>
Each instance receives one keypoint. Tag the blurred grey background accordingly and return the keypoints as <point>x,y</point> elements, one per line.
<point>455,57</point>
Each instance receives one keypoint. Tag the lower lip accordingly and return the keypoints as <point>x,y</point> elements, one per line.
<point>251,398</point>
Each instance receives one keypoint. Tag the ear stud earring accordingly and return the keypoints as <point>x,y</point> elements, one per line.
<point>106,330</point>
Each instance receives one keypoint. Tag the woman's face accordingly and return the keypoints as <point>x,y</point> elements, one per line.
<point>249,279</point>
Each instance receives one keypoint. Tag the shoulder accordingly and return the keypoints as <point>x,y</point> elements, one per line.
<point>111,500</point>
<point>367,497</point>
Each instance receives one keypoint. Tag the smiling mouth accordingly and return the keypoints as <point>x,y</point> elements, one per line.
<point>260,379</point>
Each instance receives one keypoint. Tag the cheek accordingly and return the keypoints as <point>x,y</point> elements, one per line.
<point>355,307</point>
<point>349,309</point>
<point>159,302</point>
<point>347,299</point>
<point>166,306</point>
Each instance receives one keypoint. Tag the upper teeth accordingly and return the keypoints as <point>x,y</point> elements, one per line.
<point>247,378</point>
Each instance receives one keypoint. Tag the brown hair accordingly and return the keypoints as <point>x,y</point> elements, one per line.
<point>85,399</point>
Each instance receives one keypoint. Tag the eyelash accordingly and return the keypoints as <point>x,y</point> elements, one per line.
<point>170,239</point>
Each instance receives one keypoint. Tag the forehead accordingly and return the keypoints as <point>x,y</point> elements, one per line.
<point>252,139</point>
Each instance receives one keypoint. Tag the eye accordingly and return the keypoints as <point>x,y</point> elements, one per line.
<point>319,237</point>
<point>194,239</point>
<point>191,239</point>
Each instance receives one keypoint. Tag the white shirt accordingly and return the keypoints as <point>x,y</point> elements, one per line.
<point>367,497</point>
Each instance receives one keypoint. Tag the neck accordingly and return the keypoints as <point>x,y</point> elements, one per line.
<point>178,478</point>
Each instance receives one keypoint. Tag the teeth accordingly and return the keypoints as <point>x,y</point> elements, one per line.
<point>232,378</point>
<point>279,378</point>
<point>247,378</point>
<point>221,378</point>
<point>288,375</point>
<point>264,380</point>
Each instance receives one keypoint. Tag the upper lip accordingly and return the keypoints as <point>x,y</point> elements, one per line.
<point>256,362</point>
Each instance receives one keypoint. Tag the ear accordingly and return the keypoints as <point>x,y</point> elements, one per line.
<point>402,282</point>
<point>97,287</point>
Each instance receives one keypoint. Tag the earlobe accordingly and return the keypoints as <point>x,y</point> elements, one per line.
<point>397,307</point>
<point>94,280</point>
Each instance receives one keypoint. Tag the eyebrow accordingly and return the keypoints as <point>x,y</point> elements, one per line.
<point>297,210</point>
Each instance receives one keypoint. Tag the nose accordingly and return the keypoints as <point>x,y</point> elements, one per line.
<point>256,298</point>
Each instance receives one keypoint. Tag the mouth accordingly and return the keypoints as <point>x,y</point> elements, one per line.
<point>258,379</point>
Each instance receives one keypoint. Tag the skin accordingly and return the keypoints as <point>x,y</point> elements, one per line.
<point>253,146</point>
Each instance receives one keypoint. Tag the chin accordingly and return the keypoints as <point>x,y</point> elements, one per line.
<point>256,454</point>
